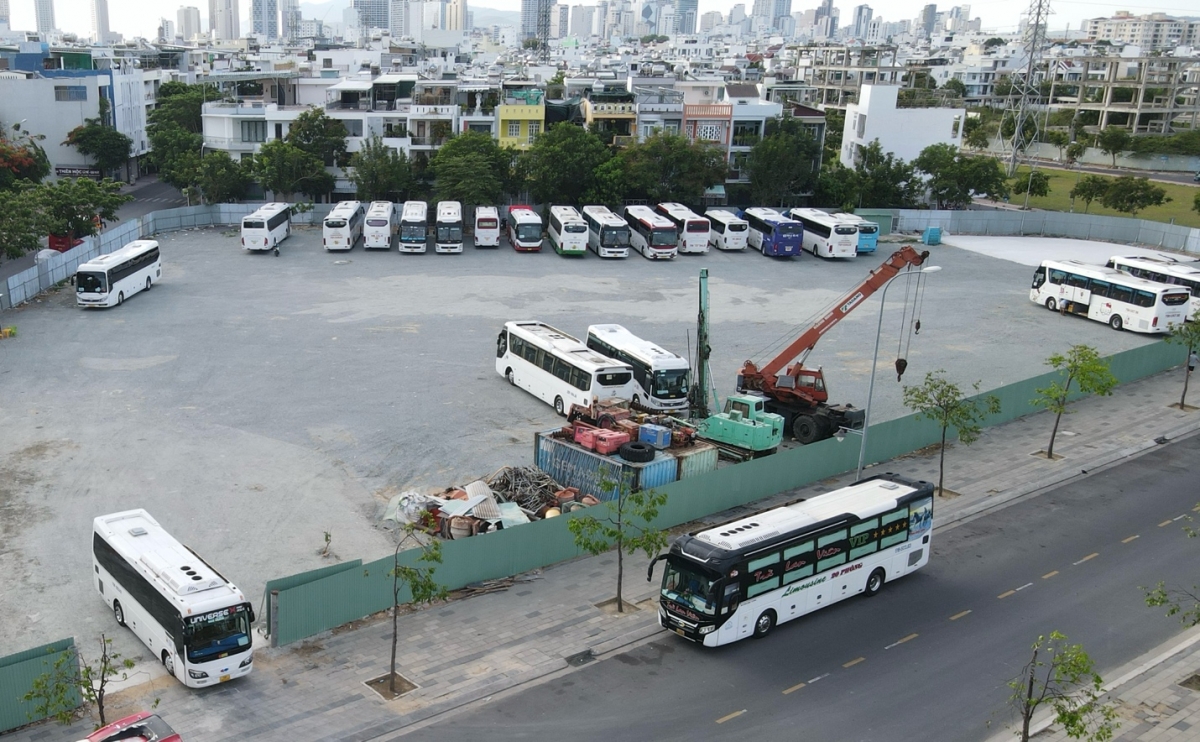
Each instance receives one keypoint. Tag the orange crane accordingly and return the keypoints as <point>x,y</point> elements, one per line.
<point>799,393</point>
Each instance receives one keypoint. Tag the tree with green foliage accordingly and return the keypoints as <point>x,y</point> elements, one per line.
<point>70,207</point>
<point>21,157</point>
<point>1130,195</point>
<point>1058,139</point>
<point>55,692</point>
<point>884,180</point>
<point>417,579</point>
<point>180,104</point>
<point>175,130</point>
<point>783,164</point>
<point>627,522</point>
<point>317,133</point>
<point>469,179</point>
<point>1196,202</point>
<point>1113,140</point>
<point>942,401</point>
<point>1081,366</point>
<point>19,230</point>
<point>221,180</point>
<point>837,185</point>
<point>835,125</point>
<point>379,172</point>
<point>1062,677</point>
<point>496,161</point>
<point>955,177</point>
<point>96,139</point>
<point>608,186</point>
<point>956,86</point>
<point>1074,151</point>
<point>977,138</point>
<point>669,167</point>
<point>1186,334</point>
<point>285,169</point>
<point>1089,188</point>
<point>1036,183</point>
<point>994,42</point>
<point>562,164</point>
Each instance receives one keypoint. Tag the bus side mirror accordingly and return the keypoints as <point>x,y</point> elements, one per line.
<point>650,569</point>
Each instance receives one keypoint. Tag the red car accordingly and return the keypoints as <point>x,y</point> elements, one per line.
<point>143,727</point>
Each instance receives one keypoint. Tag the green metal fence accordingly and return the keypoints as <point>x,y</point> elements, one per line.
<point>317,601</point>
<point>17,673</point>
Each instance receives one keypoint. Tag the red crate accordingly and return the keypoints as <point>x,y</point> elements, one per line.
<point>609,441</point>
<point>587,437</point>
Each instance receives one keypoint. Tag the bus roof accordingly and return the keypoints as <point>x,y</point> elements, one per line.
<point>414,211</point>
<point>344,210</point>
<point>524,215</point>
<point>604,216</point>
<point>814,214</point>
<point>566,213</point>
<point>486,211</point>
<point>649,217</point>
<point>724,216</point>
<point>268,210</point>
<point>380,208</point>
<point>1105,273</point>
<point>561,342</point>
<point>103,262</point>
<point>770,216</point>
<point>449,210</point>
<point>1168,266</point>
<point>621,338</point>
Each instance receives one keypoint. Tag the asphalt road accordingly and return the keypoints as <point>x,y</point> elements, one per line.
<point>1166,176</point>
<point>929,658</point>
<point>151,195</point>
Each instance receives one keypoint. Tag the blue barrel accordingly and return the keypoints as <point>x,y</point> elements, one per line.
<point>932,236</point>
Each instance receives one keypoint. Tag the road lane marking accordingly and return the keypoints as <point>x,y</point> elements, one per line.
<point>908,638</point>
<point>1048,575</point>
<point>1180,517</point>
<point>854,662</point>
<point>1196,509</point>
<point>819,677</point>
<point>1127,540</point>
<point>957,616</point>
<point>1164,523</point>
<point>794,688</point>
<point>1002,596</point>
<point>727,717</point>
<point>1027,584</point>
<point>1089,557</point>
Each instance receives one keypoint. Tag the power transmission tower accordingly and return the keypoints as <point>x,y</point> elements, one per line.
<point>1021,109</point>
<point>543,28</point>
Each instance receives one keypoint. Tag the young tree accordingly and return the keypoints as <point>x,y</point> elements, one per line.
<point>19,232</point>
<point>977,138</point>
<point>1114,140</point>
<point>668,167</point>
<point>1130,195</point>
<point>956,86</point>
<point>1036,182</point>
<point>782,165</point>
<point>1187,334</point>
<point>423,589</point>
<point>379,173</point>
<point>221,180</point>
<point>70,206</point>
<point>317,133</point>
<point>628,525</point>
<point>56,693</point>
<point>1196,202</point>
<point>1059,139</point>
<point>1081,366</point>
<point>835,125</point>
<point>1075,150</point>
<point>942,401</point>
<point>1062,677</point>
<point>1089,188</point>
<point>285,169</point>
<point>563,162</point>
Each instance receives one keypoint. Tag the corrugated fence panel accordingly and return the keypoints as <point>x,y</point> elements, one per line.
<point>17,673</point>
<point>284,583</point>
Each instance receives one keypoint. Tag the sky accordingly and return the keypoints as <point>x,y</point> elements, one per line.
<point>140,17</point>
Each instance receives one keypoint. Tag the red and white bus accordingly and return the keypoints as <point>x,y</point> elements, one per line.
<point>651,234</point>
<point>693,228</point>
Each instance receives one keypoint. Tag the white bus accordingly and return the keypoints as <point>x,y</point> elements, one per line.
<point>107,280</point>
<point>1108,295</point>
<point>269,225</point>
<point>1163,270</point>
<point>660,377</point>
<point>414,227</point>
<point>487,226</point>
<point>343,226</point>
<point>524,229</point>
<point>868,231</point>
<point>825,235</point>
<point>557,368</point>
<point>651,234</point>
<point>742,578</point>
<point>608,234</point>
<point>381,225</point>
<point>196,622</point>
<point>568,231</point>
<point>693,229</point>
<point>448,230</point>
<point>727,231</point>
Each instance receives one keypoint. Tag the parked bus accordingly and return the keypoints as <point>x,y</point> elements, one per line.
<point>825,235</point>
<point>568,231</point>
<point>107,280</point>
<point>196,622</point>
<point>449,229</point>
<point>608,234</point>
<point>1108,295</point>
<point>1163,270</point>
<point>414,227</point>
<point>772,233</point>
<point>381,225</point>
<point>651,234</point>
<point>487,226</point>
<point>727,231</point>
<point>868,232</point>
<point>660,377</point>
<point>524,229</point>
<point>343,226</point>
<point>557,368</point>
<point>693,229</point>
<point>269,225</point>
<point>742,578</point>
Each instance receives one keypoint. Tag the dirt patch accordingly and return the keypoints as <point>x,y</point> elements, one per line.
<point>1192,683</point>
<point>383,686</point>
<point>948,494</point>
<point>1042,455</point>
<point>609,607</point>
<point>1185,408</point>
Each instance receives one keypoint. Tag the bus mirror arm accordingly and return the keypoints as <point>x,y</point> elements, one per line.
<point>650,569</point>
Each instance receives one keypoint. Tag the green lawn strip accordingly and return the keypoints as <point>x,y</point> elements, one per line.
<point>1061,183</point>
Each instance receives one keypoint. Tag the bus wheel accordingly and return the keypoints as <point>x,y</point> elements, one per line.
<point>804,429</point>
<point>168,662</point>
<point>119,612</point>
<point>1115,322</point>
<point>149,283</point>
<point>764,624</point>
<point>874,583</point>
<point>558,407</point>
<point>276,251</point>
<point>1051,304</point>
<point>508,374</point>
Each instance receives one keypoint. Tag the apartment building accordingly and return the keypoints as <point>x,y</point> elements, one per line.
<point>902,131</point>
<point>1151,32</point>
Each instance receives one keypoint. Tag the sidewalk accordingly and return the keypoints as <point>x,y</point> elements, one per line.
<point>472,649</point>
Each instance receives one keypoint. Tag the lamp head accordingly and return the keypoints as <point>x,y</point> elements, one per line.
<point>931,269</point>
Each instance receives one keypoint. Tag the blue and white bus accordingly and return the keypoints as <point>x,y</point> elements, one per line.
<point>868,231</point>
<point>772,233</point>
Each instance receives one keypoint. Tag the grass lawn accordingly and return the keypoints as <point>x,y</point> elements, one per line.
<point>1062,181</point>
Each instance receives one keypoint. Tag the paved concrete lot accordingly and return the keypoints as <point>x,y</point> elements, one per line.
<point>253,403</point>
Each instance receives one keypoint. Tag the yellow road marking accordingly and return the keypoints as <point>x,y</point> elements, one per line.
<point>1089,557</point>
<point>794,688</point>
<point>908,638</point>
<point>1164,523</point>
<point>1002,596</point>
<point>1127,540</point>
<point>1048,575</point>
<point>852,663</point>
<point>1196,509</point>
<point>957,616</point>
<point>727,717</point>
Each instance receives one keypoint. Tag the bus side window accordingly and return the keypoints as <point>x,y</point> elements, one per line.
<point>1077,281</point>
<point>1057,276</point>
<point>733,594</point>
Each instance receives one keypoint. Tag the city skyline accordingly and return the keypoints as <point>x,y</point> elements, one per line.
<point>140,17</point>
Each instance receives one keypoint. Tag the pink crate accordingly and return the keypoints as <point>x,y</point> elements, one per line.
<point>609,441</point>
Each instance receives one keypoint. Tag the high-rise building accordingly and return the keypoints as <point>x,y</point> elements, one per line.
<point>4,16</point>
<point>100,21</point>
<point>762,8</point>
<point>373,13</point>
<point>737,14</point>
<point>166,30</point>
<point>456,15</point>
<point>583,20</point>
<point>781,13</point>
<point>289,17</point>
<point>187,20</point>
<point>860,21</point>
<point>928,19</point>
<point>223,20</point>
<point>711,20</point>
<point>687,13</point>
<point>264,18</point>
<point>529,18</point>
<point>398,19</point>
<point>44,10</point>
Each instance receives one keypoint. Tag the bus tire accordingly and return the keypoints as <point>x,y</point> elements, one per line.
<point>508,374</point>
<point>874,583</point>
<point>120,298</point>
<point>764,623</point>
<point>168,662</point>
<point>1051,304</point>
<point>1116,322</point>
<point>559,408</point>
<point>149,283</point>
<point>805,429</point>
<point>636,452</point>
<point>118,613</point>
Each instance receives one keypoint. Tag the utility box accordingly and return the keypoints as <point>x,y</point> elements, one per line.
<point>656,435</point>
<point>932,236</point>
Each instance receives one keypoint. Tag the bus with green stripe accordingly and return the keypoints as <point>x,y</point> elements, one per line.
<point>568,231</point>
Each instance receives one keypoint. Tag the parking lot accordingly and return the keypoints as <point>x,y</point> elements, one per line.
<point>253,403</point>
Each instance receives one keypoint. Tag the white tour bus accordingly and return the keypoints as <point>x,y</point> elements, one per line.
<point>1108,295</point>
<point>608,234</point>
<point>568,231</point>
<point>269,225</point>
<point>650,233</point>
<point>524,229</point>
<point>343,226</point>
<point>826,235</point>
<point>742,578</point>
<point>660,377</point>
<point>693,229</point>
<point>727,231</point>
<point>414,227</point>
<point>868,231</point>
<point>448,229</point>
<point>381,225</point>
<point>1163,270</point>
<point>487,226</point>
<point>557,368</point>
<point>107,280</point>
<point>196,622</point>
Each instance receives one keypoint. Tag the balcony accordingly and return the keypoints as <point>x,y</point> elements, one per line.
<point>229,144</point>
<point>235,109</point>
<point>429,142</point>
<point>614,110</point>
<point>433,112</point>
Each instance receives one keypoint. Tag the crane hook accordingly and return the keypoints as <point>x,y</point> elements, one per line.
<point>901,365</point>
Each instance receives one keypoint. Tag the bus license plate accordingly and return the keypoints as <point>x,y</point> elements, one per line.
<point>680,632</point>
<point>224,678</point>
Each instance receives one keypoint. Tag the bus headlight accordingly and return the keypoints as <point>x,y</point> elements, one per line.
<point>197,674</point>
<point>246,662</point>
<point>707,629</point>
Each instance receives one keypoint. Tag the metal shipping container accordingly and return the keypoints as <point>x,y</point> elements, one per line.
<point>572,465</point>
<point>695,460</point>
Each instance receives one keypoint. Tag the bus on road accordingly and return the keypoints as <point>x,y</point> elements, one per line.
<point>196,622</point>
<point>448,236</point>
<point>557,368</point>
<point>524,229</point>
<point>414,227</point>
<point>868,231</point>
<point>1163,270</point>
<point>1108,295</point>
<point>381,225</point>
<point>107,280</point>
<point>693,229</point>
<point>269,225</point>
<point>608,234</point>
<point>772,233</point>
<point>660,377</point>
<point>727,230</point>
<point>568,231</point>
<point>744,577</point>
<point>825,235</point>
<point>343,226</point>
<point>651,234</point>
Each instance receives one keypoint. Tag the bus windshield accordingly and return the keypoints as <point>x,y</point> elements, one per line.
<point>788,230</point>
<point>335,223</point>
<point>670,384</point>
<point>529,232</point>
<point>449,234</point>
<point>91,283</point>
<point>689,587</point>
<point>220,632</point>
<point>615,236</point>
<point>412,232</point>
<point>663,238</point>
<point>252,224</point>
